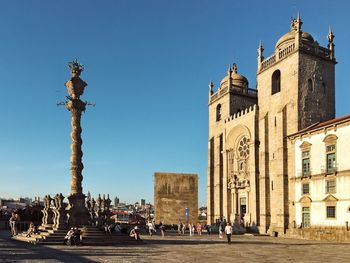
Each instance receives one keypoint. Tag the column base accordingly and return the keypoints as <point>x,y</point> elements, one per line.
<point>77,213</point>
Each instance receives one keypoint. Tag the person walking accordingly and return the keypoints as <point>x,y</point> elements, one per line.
<point>221,229</point>
<point>162,228</point>
<point>199,229</point>
<point>183,228</point>
<point>179,228</point>
<point>228,232</point>
<point>190,228</point>
<point>151,228</point>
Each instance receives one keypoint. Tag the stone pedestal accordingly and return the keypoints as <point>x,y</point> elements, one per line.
<point>77,213</point>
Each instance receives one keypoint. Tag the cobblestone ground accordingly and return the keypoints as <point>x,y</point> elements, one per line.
<point>173,248</point>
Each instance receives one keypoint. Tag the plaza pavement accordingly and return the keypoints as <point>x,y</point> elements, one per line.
<point>173,248</point>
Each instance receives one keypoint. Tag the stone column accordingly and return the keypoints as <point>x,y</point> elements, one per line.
<point>225,187</point>
<point>236,202</point>
<point>108,211</point>
<point>77,212</point>
<point>48,218</point>
<point>61,218</point>
<point>232,215</point>
<point>44,211</point>
<point>99,212</point>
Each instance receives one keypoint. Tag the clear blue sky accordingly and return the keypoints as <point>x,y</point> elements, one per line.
<point>148,65</point>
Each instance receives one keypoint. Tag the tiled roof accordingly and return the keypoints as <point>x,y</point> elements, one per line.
<point>319,125</point>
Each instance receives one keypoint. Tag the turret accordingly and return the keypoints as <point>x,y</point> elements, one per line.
<point>296,27</point>
<point>211,87</point>
<point>260,55</point>
<point>229,80</point>
<point>330,38</point>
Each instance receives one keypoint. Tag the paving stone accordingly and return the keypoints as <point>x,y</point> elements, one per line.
<point>173,248</point>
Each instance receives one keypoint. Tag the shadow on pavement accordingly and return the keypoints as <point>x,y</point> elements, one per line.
<point>13,251</point>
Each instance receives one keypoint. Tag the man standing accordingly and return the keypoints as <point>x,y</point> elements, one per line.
<point>179,228</point>
<point>228,231</point>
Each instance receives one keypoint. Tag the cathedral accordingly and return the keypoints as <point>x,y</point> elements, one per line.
<point>251,156</point>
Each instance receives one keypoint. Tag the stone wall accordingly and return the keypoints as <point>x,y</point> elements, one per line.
<point>335,234</point>
<point>316,90</point>
<point>173,193</point>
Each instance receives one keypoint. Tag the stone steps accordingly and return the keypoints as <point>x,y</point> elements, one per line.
<point>91,236</point>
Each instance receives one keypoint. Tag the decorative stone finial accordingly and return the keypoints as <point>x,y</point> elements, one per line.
<point>331,45</point>
<point>296,23</point>
<point>234,68</point>
<point>260,49</point>
<point>76,68</point>
<point>211,86</point>
<point>76,85</point>
<point>330,35</point>
<point>298,17</point>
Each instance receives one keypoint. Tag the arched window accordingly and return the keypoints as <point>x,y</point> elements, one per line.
<point>276,82</point>
<point>310,87</point>
<point>218,112</point>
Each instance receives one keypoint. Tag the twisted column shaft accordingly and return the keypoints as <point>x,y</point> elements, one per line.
<point>76,106</point>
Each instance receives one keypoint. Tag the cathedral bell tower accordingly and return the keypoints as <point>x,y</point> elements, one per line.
<point>233,96</point>
<point>296,87</point>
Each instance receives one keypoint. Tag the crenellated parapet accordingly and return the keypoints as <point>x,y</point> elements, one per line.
<point>247,111</point>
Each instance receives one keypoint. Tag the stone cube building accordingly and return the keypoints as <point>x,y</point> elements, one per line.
<point>175,194</point>
<point>249,159</point>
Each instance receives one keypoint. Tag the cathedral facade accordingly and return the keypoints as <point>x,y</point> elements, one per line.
<point>250,161</point>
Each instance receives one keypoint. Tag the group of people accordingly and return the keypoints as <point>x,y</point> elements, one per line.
<point>74,235</point>
<point>152,228</point>
<point>181,228</point>
<point>14,222</point>
<point>225,228</point>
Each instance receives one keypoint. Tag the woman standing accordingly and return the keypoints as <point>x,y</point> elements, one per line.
<point>13,222</point>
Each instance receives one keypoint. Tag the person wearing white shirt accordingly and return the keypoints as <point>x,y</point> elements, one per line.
<point>228,232</point>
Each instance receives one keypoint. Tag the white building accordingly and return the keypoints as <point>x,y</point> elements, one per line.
<point>320,194</point>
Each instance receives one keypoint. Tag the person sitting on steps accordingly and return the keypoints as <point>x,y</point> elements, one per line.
<point>135,233</point>
<point>31,230</point>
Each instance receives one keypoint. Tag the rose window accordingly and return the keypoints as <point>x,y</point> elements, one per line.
<point>243,148</point>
